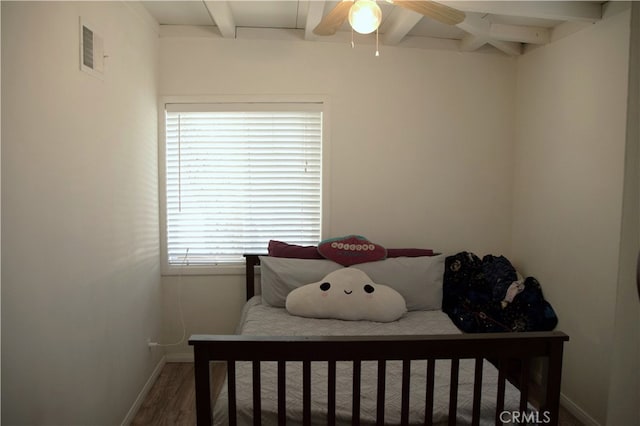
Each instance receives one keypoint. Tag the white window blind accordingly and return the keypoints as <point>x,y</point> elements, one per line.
<point>239,176</point>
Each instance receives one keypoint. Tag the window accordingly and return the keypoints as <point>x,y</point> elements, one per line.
<point>238,175</point>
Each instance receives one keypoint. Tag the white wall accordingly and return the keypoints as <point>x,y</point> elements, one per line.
<point>80,277</point>
<point>420,144</point>
<point>569,160</point>
<point>624,388</point>
<point>0,210</point>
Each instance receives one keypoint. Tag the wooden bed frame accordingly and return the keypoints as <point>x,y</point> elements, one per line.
<point>512,353</point>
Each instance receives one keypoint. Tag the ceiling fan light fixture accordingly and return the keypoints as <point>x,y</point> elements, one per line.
<point>365,16</point>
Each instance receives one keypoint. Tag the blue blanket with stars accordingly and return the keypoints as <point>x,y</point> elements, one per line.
<point>486,296</point>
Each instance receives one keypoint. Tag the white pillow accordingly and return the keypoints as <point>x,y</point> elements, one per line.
<point>347,294</point>
<point>279,275</point>
<point>417,279</point>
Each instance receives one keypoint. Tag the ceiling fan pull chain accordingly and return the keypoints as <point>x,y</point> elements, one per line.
<point>352,43</point>
<point>377,51</point>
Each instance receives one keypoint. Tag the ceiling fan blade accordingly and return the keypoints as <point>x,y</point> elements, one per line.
<point>431,9</point>
<point>334,19</point>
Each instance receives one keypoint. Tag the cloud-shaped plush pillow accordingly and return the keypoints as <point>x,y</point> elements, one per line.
<point>347,294</point>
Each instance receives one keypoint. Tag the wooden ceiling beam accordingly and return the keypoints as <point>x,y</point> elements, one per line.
<point>471,43</point>
<point>398,25</point>
<point>481,32</point>
<point>314,16</point>
<point>476,25</point>
<point>586,11</point>
<point>533,35</point>
<point>221,14</point>
<point>511,48</point>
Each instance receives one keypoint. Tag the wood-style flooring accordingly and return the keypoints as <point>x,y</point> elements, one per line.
<point>171,400</point>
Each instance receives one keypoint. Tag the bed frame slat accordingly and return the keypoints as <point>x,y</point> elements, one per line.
<point>382,377</point>
<point>406,377</point>
<point>428,410</point>
<point>257,408</point>
<point>453,391</point>
<point>502,376</point>
<point>231,391</point>
<point>331,392</point>
<point>477,392</point>
<point>355,416</point>
<point>306,392</point>
<point>282,393</point>
<point>524,384</point>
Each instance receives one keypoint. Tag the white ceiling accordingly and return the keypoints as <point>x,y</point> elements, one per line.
<point>505,25</point>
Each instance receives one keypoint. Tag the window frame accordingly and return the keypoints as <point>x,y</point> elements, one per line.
<point>225,269</point>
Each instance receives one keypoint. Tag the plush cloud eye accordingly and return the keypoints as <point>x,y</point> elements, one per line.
<point>325,286</point>
<point>369,288</point>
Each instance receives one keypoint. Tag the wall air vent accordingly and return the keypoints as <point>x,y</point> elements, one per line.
<point>91,51</point>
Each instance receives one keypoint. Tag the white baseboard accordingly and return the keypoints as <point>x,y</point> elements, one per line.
<point>179,357</point>
<point>577,412</point>
<point>143,393</point>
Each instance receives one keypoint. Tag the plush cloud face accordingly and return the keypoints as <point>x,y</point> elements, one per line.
<point>347,294</point>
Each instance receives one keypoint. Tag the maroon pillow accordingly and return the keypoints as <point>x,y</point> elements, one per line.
<point>280,249</point>
<point>409,252</point>
<point>293,251</point>
<point>351,250</point>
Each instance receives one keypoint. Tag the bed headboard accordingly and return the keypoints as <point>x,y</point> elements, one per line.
<point>251,261</point>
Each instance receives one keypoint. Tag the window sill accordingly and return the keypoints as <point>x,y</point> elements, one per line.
<point>236,269</point>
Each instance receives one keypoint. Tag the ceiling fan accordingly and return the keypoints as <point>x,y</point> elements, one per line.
<point>365,15</point>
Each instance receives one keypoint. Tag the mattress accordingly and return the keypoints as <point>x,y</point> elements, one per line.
<point>259,319</point>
